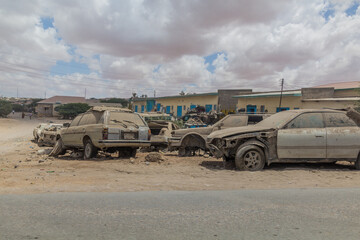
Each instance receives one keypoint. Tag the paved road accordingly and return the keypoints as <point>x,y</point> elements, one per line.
<point>245,214</point>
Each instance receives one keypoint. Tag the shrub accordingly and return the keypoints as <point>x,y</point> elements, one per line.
<point>71,110</point>
<point>5,108</point>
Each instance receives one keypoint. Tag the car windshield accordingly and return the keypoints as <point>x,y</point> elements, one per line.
<point>127,118</point>
<point>277,120</point>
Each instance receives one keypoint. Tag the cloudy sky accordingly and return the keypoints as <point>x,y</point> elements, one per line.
<point>113,48</point>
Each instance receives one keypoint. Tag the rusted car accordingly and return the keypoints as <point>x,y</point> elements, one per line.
<point>161,125</point>
<point>289,136</point>
<point>107,129</point>
<point>188,140</point>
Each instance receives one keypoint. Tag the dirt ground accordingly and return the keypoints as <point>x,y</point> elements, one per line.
<point>22,170</point>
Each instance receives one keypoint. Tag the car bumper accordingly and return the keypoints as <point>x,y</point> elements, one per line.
<point>123,143</point>
<point>174,141</point>
<point>215,151</point>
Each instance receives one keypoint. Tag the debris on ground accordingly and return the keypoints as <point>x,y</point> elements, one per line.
<point>77,154</point>
<point>155,157</point>
<point>44,151</point>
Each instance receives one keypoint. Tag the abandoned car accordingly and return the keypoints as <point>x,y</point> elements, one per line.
<point>289,136</point>
<point>188,140</point>
<point>48,135</point>
<point>106,129</point>
<point>41,127</point>
<point>161,126</point>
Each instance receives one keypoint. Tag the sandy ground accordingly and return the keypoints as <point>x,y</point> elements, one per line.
<point>22,170</point>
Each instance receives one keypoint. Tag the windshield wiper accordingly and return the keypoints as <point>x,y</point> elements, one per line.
<point>137,126</point>
<point>120,122</point>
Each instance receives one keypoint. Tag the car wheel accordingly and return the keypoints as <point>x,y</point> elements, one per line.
<point>250,158</point>
<point>228,163</point>
<point>357,163</point>
<point>89,150</point>
<point>58,149</point>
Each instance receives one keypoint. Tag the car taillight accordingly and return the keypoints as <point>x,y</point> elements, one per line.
<point>149,134</point>
<point>105,133</point>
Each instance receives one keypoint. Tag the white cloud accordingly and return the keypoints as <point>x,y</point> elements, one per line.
<point>123,42</point>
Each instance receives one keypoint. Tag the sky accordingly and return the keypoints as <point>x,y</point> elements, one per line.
<point>110,48</point>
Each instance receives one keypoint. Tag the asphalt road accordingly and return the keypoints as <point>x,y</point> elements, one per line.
<point>244,214</point>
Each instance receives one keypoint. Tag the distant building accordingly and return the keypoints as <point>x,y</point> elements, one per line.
<point>336,96</point>
<point>46,108</point>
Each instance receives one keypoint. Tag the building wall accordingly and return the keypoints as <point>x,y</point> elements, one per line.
<point>270,103</point>
<point>347,93</point>
<point>226,101</point>
<point>184,101</point>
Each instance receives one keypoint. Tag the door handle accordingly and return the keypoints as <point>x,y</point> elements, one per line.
<point>319,136</point>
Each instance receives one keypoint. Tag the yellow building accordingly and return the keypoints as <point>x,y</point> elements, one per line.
<point>336,96</point>
<point>177,105</point>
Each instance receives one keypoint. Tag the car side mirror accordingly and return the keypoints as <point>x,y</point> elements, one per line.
<point>66,125</point>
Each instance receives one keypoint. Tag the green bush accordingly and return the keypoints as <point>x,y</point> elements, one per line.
<point>122,101</point>
<point>71,110</point>
<point>18,107</point>
<point>5,108</point>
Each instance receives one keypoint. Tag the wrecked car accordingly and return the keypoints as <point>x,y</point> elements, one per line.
<point>189,140</point>
<point>161,126</point>
<point>41,127</point>
<point>106,129</point>
<point>48,135</point>
<point>289,136</point>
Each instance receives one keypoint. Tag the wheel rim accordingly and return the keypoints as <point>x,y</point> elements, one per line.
<point>252,159</point>
<point>87,150</point>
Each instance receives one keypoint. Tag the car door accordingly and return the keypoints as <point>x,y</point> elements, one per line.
<point>343,136</point>
<point>303,138</point>
<point>67,133</point>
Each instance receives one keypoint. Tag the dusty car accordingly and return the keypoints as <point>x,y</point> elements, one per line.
<point>106,129</point>
<point>48,135</point>
<point>161,126</point>
<point>289,136</point>
<point>188,140</point>
<point>40,128</point>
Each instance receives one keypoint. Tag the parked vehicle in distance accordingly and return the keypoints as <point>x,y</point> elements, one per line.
<point>106,129</point>
<point>161,125</point>
<point>289,136</point>
<point>41,127</point>
<point>188,140</point>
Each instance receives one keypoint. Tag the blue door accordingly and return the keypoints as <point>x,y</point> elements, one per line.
<point>179,111</point>
<point>192,106</point>
<point>142,108</point>
<point>150,105</point>
<point>158,107</point>
<point>251,108</point>
<point>167,109</point>
<point>208,108</point>
<point>136,108</point>
<point>282,109</point>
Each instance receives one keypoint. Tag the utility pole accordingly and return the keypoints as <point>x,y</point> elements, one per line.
<point>17,92</point>
<point>282,87</point>
<point>154,93</point>
<point>85,93</point>
<point>45,94</point>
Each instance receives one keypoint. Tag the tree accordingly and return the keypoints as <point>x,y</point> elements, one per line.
<point>122,101</point>
<point>71,110</point>
<point>182,93</point>
<point>32,105</point>
<point>5,108</point>
<point>18,107</point>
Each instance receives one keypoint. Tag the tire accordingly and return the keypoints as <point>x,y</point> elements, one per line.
<point>59,148</point>
<point>228,163</point>
<point>133,152</point>
<point>357,163</point>
<point>250,158</point>
<point>90,150</point>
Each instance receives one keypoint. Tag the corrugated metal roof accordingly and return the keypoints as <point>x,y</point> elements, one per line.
<point>177,96</point>
<point>332,99</point>
<point>63,100</point>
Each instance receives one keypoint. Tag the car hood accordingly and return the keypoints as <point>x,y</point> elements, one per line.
<point>237,130</point>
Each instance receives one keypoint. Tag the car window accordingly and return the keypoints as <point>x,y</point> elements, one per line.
<point>253,119</point>
<point>90,118</point>
<point>338,120</point>
<point>125,118</point>
<point>76,120</point>
<point>307,120</point>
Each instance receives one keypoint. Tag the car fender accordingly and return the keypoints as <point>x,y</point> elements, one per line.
<point>184,139</point>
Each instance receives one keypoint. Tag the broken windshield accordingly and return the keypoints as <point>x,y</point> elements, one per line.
<point>277,120</point>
